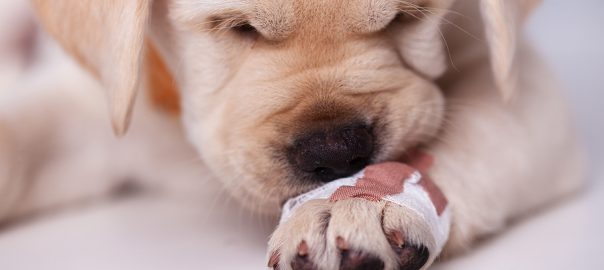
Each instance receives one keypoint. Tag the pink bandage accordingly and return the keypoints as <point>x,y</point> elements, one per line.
<point>389,178</point>
<point>378,181</point>
<point>407,185</point>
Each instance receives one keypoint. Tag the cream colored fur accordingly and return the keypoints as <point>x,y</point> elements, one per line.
<point>494,119</point>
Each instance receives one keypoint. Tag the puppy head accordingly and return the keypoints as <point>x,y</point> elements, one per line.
<point>281,96</point>
<point>278,96</point>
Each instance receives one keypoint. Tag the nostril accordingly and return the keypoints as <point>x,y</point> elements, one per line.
<point>323,171</point>
<point>359,162</point>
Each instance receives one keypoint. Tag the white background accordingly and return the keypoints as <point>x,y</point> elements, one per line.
<point>174,233</point>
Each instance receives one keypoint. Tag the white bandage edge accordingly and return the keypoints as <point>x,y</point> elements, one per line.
<point>414,197</point>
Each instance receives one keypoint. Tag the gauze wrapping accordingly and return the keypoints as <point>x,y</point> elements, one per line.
<point>393,182</point>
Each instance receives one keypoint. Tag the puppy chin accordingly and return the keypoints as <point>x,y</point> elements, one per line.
<point>251,194</point>
<point>268,205</point>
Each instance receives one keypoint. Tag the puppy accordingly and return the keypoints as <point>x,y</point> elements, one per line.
<point>279,97</point>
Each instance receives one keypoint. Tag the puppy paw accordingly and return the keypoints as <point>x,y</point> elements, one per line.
<point>352,234</point>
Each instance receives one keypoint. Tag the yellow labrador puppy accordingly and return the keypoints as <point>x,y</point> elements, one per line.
<point>279,97</point>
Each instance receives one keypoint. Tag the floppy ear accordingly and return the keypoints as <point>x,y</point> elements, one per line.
<point>420,40</point>
<point>108,38</point>
<point>503,20</point>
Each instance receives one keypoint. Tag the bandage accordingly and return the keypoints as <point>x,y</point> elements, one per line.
<point>405,185</point>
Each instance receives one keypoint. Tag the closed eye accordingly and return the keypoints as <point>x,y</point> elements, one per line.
<point>235,23</point>
<point>409,13</point>
<point>245,29</point>
<point>407,17</point>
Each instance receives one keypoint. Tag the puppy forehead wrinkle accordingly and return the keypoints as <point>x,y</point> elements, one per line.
<point>212,4</point>
<point>198,10</point>
<point>346,16</point>
<point>373,11</point>
<point>275,19</point>
<point>373,15</point>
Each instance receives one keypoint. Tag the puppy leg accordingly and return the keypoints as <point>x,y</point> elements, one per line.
<point>34,172</point>
<point>11,172</point>
<point>70,155</point>
<point>497,161</point>
<point>54,144</point>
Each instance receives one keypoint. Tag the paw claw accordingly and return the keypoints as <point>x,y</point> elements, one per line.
<point>357,260</point>
<point>302,261</point>
<point>274,260</point>
<point>341,244</point>
<point>302,248</point>
<point>396,239</point>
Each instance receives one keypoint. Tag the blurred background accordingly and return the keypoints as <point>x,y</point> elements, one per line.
<point>172,233</point>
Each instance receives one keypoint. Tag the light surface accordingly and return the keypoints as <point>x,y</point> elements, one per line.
<point>179,233</point>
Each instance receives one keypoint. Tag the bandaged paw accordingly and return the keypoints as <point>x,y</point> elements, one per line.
<point>404,185</point>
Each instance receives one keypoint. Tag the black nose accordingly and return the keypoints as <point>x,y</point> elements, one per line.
<point>333,153</point>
